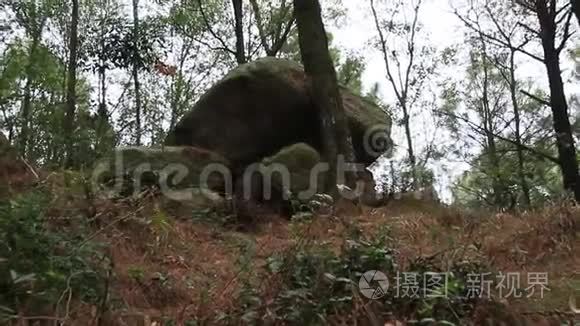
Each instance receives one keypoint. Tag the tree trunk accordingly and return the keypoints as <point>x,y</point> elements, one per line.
<point>102,113</point>
<point>488,128</point>
<point>576,9</point>
<point>103,66</point>
<point>564,139</point>
<point>177,85</point>
<point>401,88</point>
<point>71,100</point>
<point>239,30</point>
<point>558,103</point>
<point>324,87</point>
<point>102,141</point>
<point>497,184</point>
<point>410,151</point>
<point>27,96</point>
<point>103,90</point>
<point>521,166</point>
<point>491,152</point>
<point>25,114</point>
<point>138,131</point>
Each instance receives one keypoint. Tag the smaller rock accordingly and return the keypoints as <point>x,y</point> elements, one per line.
<point>267,186</point>
<point>298,161</point>
<point>171,169</point>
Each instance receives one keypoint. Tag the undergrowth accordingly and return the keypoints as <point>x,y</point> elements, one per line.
<point>42,269</point>
<point>311,284</point>
<point>56,269</point>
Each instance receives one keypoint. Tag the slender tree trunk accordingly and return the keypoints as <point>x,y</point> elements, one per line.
<point>558,103</point>
<point>324,87</point>
<point>27,96</point>
<point>102,120</point>
<point>564,139</point>
<point>174,101</point>
<point>499,192</point>
<point>177,85</point>
<point>177,91</point>
<point>239,31</point>
<point>521,166</point>
<point>25,116</point>
<point>491,152</point>
<point>488,128</point>
<point>136,83</point>
<point>71,100</point>
<point>260,26</point>
<point>103,89</point>
<point>410,151</point>
<point>102,113</point>
<point>576,9</point>
<point>401,87</point>
<point>103,66</point>
<point>497,184</point>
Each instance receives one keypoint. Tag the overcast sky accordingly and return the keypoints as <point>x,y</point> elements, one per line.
<point>443,27</point>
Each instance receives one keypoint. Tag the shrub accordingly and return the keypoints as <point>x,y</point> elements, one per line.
<point>38,266</point>
<point>314,285</point>
<point>314,282</point>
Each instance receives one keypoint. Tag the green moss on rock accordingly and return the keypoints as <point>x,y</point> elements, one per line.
<point>299,160</point>
<point>264,66</point>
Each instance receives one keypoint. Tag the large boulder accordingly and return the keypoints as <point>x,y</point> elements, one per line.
<point>265,105</point>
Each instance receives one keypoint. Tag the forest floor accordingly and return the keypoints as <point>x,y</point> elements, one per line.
<point>170,265</point>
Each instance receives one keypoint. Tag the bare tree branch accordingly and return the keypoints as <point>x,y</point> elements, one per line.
<point>383,44</point>
<point>496,40</point>
<point>260,25</point>
<point>282,40</point>
<point>225,46</point>
<point>536,98</point>
<point>567,33</point>
<point>279,38</point>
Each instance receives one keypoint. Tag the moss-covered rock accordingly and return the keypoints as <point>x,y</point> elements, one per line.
<point>265,105</point>
<point>298,161</point>
<point>169,168</point>
<point>275,180</point>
